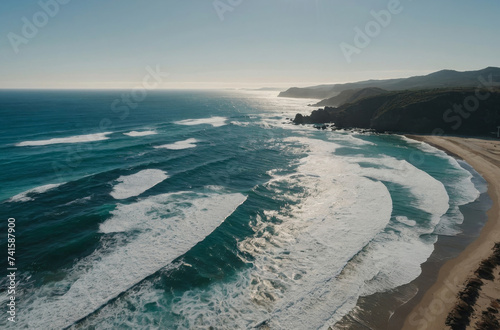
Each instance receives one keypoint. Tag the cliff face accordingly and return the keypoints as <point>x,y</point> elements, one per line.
<point>429,111</point>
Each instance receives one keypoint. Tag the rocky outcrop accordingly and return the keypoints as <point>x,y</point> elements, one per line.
<point>437,111</point>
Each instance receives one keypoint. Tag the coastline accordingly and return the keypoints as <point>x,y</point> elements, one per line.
<point>441,298</point>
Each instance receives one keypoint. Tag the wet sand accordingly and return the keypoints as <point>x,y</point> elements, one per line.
<point>439,300</point>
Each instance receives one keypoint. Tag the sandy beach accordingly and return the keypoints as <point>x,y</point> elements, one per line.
<point>442,298</point>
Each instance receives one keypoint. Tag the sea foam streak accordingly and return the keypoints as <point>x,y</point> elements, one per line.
<point>342,240</point>
<point>214,121</point>
<point>461,180</point>
<point>375,268</point>
<point>28,195</point>
<point>165,227</point>
<point>313,241</point>
<point>140,133</point>
<point>324,290</point>
<point>336,216</point>
<point>71,139</point>
<point>136,184</point>
<point>179,145</point>
<point>325,252</point>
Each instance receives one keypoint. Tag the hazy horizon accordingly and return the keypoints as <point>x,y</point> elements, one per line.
<point>209,86</point>
<point>220,44</point>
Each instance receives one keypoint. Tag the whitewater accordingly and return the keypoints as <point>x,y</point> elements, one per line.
<point>211,209</point>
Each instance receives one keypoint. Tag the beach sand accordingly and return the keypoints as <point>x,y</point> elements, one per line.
<point>442,297</point>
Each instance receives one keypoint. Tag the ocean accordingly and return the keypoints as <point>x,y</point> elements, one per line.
<point>210,210</point>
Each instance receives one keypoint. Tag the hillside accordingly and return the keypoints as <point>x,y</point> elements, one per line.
<point>425,111</point>
<point>439,79</point>
<point>350,96</point>
<point>314,92</point>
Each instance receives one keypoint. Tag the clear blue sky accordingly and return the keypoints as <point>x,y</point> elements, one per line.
<point>109,43</point>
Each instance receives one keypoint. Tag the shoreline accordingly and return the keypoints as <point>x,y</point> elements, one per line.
<point>441,298</point>
<point>393,307</point>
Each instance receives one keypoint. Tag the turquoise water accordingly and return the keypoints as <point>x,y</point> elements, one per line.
<point>193,209</point>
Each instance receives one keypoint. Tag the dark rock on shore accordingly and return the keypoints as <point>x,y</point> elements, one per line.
<point>437,111</point>
<point>459,318</point>
<point>461,315</point>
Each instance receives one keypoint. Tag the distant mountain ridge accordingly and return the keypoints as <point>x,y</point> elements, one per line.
<point>439,79</point>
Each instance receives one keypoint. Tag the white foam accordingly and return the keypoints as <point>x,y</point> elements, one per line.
<point>461,179</point>
<point>479,182</point>
<point>323,249</point>
<point>179,145</point>
<point>165,227</point>
<point>349,139</point>
<point>430,194</point>
<point>214,121</point>
<point>240,123</point>
<point>335,217</point>
<point>79,201</point>
<point>140,133</point>
<point>300,278</point>
<point>448,226</point>
<point>311,260</point>
<point>459,185</point>
<point>136,184</point>
<point>320,298</point>
<point>406,221</point>
<point>71,139</point>
<point>464,190</point>
<point>394,256</point>
<point>28,194</point>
